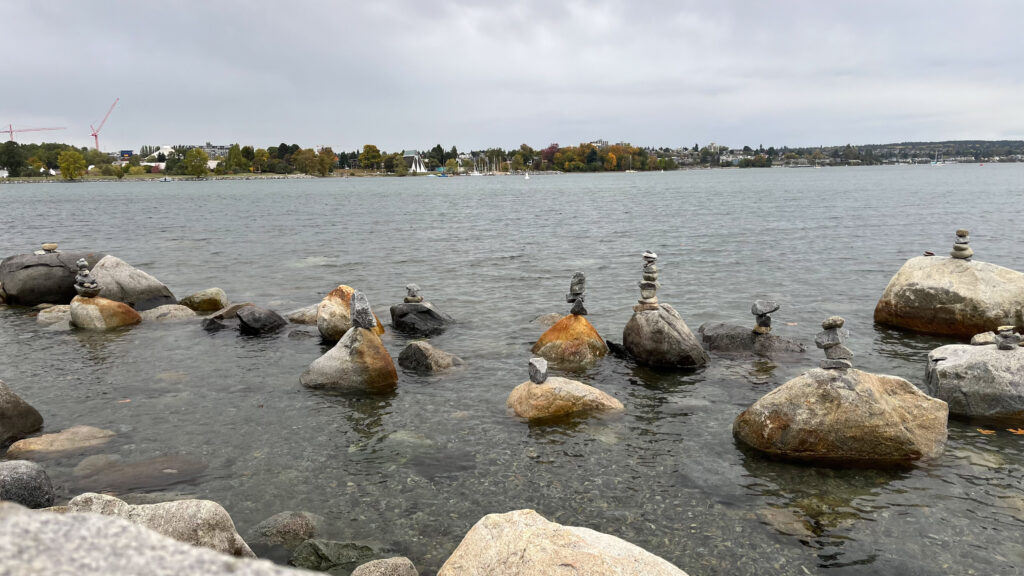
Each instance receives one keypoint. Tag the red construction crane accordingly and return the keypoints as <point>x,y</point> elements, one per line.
<point>11,130</point>
<point>96,131</point>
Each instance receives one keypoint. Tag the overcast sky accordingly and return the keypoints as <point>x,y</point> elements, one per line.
<point>411,74</point>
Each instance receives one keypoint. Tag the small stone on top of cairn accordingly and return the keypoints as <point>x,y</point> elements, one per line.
<point>961,247</point>
<point>837,356</point>
<point>412,294</point>
<point>85,284</point>
<point>538,370</point>
<point>362,314</point>
<point>50,247</point>
<point>761,310</point>
<point>649,285</point>
<point>1006,338</point>
<point>577,293</point>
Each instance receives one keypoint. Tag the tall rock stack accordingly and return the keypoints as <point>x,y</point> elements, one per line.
<point>417,316</point>
<point>572,341</point>
<point>90,311</point>
<point>830,339</point>
<point>656,334</point>
<point>962,245</point>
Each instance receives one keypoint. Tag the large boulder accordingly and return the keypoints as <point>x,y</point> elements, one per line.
<point>71,440</point>
<point>257,321</point>
<point>523,543</point>
<point>17,418</point>
<point>420,356</point>
<point>197,522</point>
<point>38,542</point>
<point>30,279</point>
<point>288,529</point>
<point>733,339</point>
<point>419,318</point>
<point>359,362</point>
<point>571,341</point>
<point>845,417</point>
<point>25,483</point>
<point>167,313</point>
<point>558,396</point>
<point>660,338</point>
<point>397,566</point>
<point>101,314</point>
<point>334,314</point>
<point>952,297</point>
<point>980,381</point>
<point>209,300</point>
<point>123,282</point>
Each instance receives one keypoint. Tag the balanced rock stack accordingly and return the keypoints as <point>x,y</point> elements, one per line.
<point>358,362</point>
<point>416,316</point>
<point>572,341</point>
<point>656,334</point>
<point>89,311</point>
<point>830,339</point>
<point>733,339</point>
<point>548,397</point>
<point>761,310</point>
<point>1006,338</point>
<point>962,245</point>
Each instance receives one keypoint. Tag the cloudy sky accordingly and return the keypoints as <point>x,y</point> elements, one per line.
<point>411,74</point>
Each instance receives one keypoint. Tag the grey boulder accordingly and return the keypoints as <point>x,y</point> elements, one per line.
<point>734,339</point>
<point>306,316</point>
<point>30,279</point>
<point>257,321</point>
<point>421,357</point>
<point>419,318</point>
<point>336,557</point>
<point>397,566</point>
<point>25,483</point>
<point>661,338</point>
<point>977,381</point>
<point>17,418</point>
<point>122,282</point>
<point>288,529</point>
<point>54,315</point>
<point>167,313</point>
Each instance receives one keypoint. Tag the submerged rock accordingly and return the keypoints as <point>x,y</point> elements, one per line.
<point>978,381</point>
<point>73,439</point>
<point>288,529</point>
<point>122,282</point>
<point>357,363</point>
<point>523,543</point>
<point>573,341</point>
<point>209,300</point>
<point>167,313</point>
<point>17,418</point>
<point>336,557</point>
<point>101,314</point>
<point>30,279</point>
<point>559,397</point>
<point>25,483</point>
<point>845,417</point>
<point>420,356</point>
<point>149,474</point>
<point>54,315</point>
<point>659,337</point>
<point>735,339</point>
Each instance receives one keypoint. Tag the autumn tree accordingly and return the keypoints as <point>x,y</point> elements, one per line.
<point>370,158</point>
<point>610,162</point>
<point>325,160</point>
<point>260,157</point>
<point>304,160</point>
<point>72,165</point>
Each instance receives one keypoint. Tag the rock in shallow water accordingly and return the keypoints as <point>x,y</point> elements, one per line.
<point>571,341</point>
<point>421,357</point>
<point>121,282</point>
<point>398,566</point>
<point>357,363</point>
<point>101,314</point>
<point>54,315</point>
<point>17,418</point>
<point>25,483</point>
<point>305,315</point>
<point>979,381</point>
<point>74,439</point>
<point>149,474</point>
<point>288,529</point>
<point>209,300</point>
<point>336,557</point>
<point>334,314</point>
<point>559,397</point>
<point>30,279</point>
<point>419,318</point>
<point>659,337</point>
<point>734,339</point>
<point>167,313</point>
<point>257,321</point>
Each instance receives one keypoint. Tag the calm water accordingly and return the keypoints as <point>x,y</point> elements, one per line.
<point>413,471</point>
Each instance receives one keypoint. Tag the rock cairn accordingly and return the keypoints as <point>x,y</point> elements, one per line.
<point>830,339</point>
<point>412,294</point>
<point>48,248</point>
<point>85,284</point>
<point>1006,338</point>
<point>362,314</point>
<point>961,246</point>
<point>538,370</point>
<point>649,285</point>
<point>761,310</point>
<point>577,294</point>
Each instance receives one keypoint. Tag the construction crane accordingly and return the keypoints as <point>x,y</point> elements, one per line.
<point>11,130</point>
<point>96,131</point>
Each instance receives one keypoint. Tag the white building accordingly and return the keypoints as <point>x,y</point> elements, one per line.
<point>414,161</point>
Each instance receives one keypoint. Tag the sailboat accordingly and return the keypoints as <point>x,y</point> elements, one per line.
<point>938,161</point>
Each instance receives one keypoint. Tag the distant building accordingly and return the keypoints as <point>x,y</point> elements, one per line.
<point>3,173</point>
<point>215,151</point>
<point>125,155</point>
<point>414,161</point>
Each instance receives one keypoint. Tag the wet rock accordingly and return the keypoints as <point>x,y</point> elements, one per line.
<point>209,300</point>
<point>334,315</point>
<point>122,282</point>
<point>38,542</point>
<point>523,543</point>
<point>571,341</point>
<point>30,279</point>
<point>229,312</point>
<point>74,439</point>
<point>786,521</point>
<point>101,314</point>
<point>257,321</point>
<point>149,474</point>
<point>54,315</point>
<point>952,297</point>
<point>167,313</point>
<point>538,370</point>
<point>201,523</point>
<point>305,315</point>
<point>397,566</point>
<point>420,356</point>
<point>17,418</point>
<point>559,397</point>
<point>336,557</point>
<point>659,337</point>
<point>357,363</point>
<point>419,318</point>
<point>978,381</point>
<point>845,417</point>
<point>734,339</point>
<point>25,483</point>
<point>288,529</point>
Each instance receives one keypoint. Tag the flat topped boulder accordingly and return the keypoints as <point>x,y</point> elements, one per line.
<point>359,362</point>
<point>334,315</point>
<point>524,543</point>
<point>101,314</point>
<point>741,340</point>
<point>845,417</point>
<point>952,297</point>
<point>31,279</point>
<point>572,340</point>
<point>71,440</point>
<point>123,282</point>
<point>978,381</point>
<point>209,300</point>
<point>558,396</point>
<point>659,337</point>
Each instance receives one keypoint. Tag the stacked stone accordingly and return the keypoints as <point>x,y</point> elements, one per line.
<point>577,293</point>
<point>649,285</point>
<point>1006,338</point>
<point>761,310</point>
<point>837,356</point>
<point>412,294</point>
<point>48,248</point>
<point>961,247</point>
<point>362,314</point>
<point>85,284</point>
<point>538,370</point>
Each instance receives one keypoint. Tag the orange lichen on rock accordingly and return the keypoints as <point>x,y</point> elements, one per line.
<point>571,340</point>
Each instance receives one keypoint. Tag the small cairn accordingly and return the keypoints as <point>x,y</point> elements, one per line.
<point>961,246</point>
<point>1006,338</point>
<point>412,294</point>
<point>85,284</point>
<point>761,310</point>
<point>577,293</point>
<point>418,316</point>
<point>538,370</point>
<point>649,285</point>
<point>830,339</point>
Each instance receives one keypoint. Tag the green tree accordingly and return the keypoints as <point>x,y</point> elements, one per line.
<point>72,165</point>
<point>196,163</point>
<point>325,161</point>
<point>12,157</point>
<point>248,153</point>
<point>260,157</point>
<point>370,158</point>
<point>235,161</point>
<point>304,160</point>
<point>401,168</point>
<point>451,166</point>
